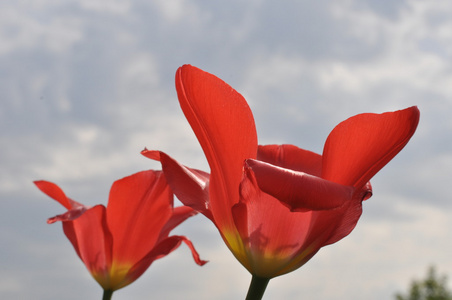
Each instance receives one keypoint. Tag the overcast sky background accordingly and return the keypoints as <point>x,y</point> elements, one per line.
<point>85,85</point>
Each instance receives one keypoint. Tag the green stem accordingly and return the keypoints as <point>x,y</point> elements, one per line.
<point>107,295</point>
<point>257,288</point>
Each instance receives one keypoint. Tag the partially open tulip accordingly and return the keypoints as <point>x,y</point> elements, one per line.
<point>275,206</point>
<point>119,242</point>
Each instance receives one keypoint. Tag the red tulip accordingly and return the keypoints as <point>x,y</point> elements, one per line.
<point>119,242</point>
<point>275,206</point>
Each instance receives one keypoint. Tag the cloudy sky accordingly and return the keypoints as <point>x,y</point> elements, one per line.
<point>85,85</point>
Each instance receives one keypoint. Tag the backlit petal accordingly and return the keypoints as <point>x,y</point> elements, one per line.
<point>92,241</point>
<point>360,146</point>
<point>70,215</point>
<point>162,249</point>
<point>56,193</point>
<point>274,238</point>
<point>138,208</point>
<point>224,126</point>
<point>189,185</point>
<point>291,157</point>
<point>180,214</point>
<point>299,191</point>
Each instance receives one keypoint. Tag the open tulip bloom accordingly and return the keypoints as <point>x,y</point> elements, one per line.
<point>275,206</point>
<point>119,242</point>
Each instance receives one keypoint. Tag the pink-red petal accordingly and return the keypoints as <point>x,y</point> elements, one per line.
<point>224,126</point>
<point>360,146</point>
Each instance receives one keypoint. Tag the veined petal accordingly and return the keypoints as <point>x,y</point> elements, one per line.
<point>297,190</point>
<point>92,241</point>
<point>291,157</point>
<point>347,216</point>
<point>360,146</point>
<point>274,238</point>
<point>138,208</point>
<point>224,126</point>
<point>189,185</point>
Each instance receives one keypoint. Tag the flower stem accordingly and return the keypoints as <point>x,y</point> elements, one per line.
<point>257,288</point>
<point>107,295</point>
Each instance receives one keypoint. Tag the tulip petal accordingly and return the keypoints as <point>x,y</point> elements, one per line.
<point>180,214</point>
<point>56,193</point>
<point>274,238</point>
<point>291,157</point>
<point>138,208</point>
<point>92,241</point>
<point>347,216</point>
<point>162,249</point>
<point>70,215</point>
<point>297,190</point>
<point>189,185</point>
<point>360,146</point>
<point>224,126</point>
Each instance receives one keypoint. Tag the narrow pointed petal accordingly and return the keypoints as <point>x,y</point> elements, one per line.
<point>162,249</point>
<point>360,146</point>
<point>224,126</point>
<point>299,191</point>
<point>138,208</point>
<point>180,214</point>
<point>70,215</point>
<point>92,241</point>
<point>171,243</point>
<point>291,157</point>
<point>56,193</point>
<point>189,185</point>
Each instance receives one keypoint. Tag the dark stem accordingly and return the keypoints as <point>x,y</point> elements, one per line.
<point>257,288</point>
<point>107,295</point>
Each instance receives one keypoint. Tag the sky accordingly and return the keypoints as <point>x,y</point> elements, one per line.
<point>86,85</point>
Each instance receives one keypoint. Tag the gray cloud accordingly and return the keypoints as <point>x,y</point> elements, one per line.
<point>85,85</point>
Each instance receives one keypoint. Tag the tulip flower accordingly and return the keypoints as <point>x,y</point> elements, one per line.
<point>119,242</point>
<point>275,206</point>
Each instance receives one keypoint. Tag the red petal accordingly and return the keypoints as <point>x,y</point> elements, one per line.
<point>162,249</point>
<point>170,244</point>
<point>92,241</point>
<point>138,208</point>
<point>180,214</point>
<point>298,190</point>
<point>291,157</point>
<point>224,126</point>
<point>361,145</point>
<point>70,215</point>
<point>56,193</point>
<point>345,218</point>
<point>273,236</point>
<point>189,185</point>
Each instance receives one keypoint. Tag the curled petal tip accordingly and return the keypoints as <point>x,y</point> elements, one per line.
<point>52,220</point>
<point>298,190</point>
<point>152,154</point>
